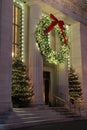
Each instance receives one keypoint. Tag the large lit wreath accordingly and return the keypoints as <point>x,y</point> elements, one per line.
<point>42,29</point>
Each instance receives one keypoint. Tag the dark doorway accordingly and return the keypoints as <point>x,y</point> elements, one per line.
<point>46,76</point>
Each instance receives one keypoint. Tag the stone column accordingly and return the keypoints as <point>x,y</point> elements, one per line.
<point>5,54</point>
<point>35,59</point>
<point>83,31</point>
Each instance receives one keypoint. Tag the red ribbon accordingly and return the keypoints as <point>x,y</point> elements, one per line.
<point>55,22</point>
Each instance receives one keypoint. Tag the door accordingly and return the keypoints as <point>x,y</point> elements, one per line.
<point>46,76</point>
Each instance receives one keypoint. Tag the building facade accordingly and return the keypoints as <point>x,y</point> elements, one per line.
<point>18,26</point>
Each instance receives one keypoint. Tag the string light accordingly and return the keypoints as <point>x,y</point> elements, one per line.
<point>21,5</point>
<point>43,40</point>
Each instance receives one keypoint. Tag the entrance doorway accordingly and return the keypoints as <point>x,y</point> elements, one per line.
<point>46,77</point>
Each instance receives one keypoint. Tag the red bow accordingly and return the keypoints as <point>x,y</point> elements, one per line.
<point>55,22</point>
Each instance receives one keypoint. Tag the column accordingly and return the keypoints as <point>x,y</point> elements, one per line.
<point>5,54</point>
<point>83,31</point>
<point>35,58</point>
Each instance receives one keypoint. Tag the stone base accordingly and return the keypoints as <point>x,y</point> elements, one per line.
<point>5,107</point>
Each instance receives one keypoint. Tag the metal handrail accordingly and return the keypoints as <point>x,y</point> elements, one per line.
<point>65,103</point>
<point>60,99</point>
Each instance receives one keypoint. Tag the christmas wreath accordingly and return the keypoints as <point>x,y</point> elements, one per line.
<point>42,38</point>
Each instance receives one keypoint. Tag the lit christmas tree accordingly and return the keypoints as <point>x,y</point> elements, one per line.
<point>22,90</point>
<point>75,90</point>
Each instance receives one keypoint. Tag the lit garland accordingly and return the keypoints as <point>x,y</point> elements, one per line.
<point>51,56</point>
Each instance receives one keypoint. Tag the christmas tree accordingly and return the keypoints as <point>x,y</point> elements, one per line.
<point>75,90</point>
<point>22,90</point>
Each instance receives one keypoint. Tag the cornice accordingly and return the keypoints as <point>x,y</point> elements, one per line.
<point>77,9</point>
<point>81,4</point>
<point>72,8</point>
<point>30,2</point>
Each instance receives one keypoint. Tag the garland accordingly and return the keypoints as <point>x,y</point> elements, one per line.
<point>51,56</point>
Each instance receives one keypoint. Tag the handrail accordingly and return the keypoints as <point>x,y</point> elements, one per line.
<point>59,99</point>
<point>76,108</point>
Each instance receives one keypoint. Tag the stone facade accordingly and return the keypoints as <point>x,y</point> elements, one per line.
<point>58,74</point>
<point>77,11</point>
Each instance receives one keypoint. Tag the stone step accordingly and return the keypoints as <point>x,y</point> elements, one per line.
<point>28,123</point>
<point>25,117</point>
<point>30,116</point>
<point>68,113</point>
<point>32,123</point>
<point>35,112</point>
<point>28,119</point>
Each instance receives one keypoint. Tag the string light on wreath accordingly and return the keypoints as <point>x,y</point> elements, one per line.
<point>42,38</point>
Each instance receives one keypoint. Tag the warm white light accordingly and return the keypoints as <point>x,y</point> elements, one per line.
<point>69,64</point>
<point>12,54</point>
<point>37,47</point>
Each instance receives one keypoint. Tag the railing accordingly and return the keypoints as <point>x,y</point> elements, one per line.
<point>59,101</point>
<point>72,107</point>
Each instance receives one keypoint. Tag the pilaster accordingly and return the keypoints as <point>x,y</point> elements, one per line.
<point>63,89</point>
<point>76,59</point>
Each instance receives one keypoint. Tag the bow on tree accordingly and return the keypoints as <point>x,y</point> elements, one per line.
<point>56,22</point>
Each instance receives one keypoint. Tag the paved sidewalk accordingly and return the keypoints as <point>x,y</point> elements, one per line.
<point>72,125</point>
<point>1,126</point>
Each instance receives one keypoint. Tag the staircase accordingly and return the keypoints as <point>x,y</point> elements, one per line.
<point>26,117</point>
<point>68,113</point>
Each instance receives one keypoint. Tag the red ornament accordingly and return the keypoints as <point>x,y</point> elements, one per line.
<point>55,22</point>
